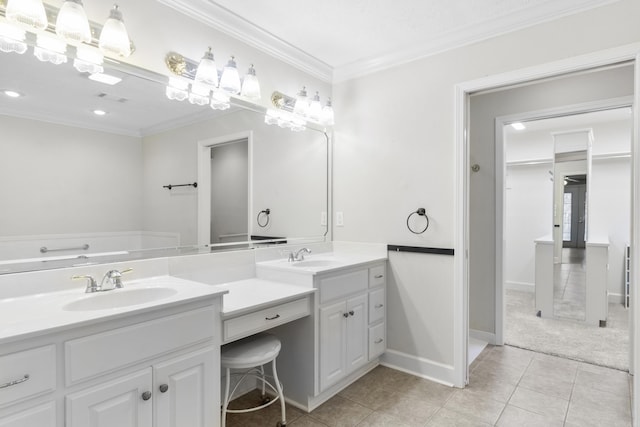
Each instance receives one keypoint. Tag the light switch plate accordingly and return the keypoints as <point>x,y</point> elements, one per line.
<point>323,218</point>
<point>339,219</point>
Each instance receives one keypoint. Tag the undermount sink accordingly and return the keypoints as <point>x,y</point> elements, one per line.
<point>119,298</point>
<point>315,263</point>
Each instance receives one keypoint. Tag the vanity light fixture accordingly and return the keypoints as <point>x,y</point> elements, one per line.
<point>220,100</point>
<point>177,89</point>
<point>12,38</point>
<point>285,120</point>
<point>315,108</point>
<point>301,106</point>
<point>30,13</point>
<point>50,49</point>
<point>207,73</point>
<point>327,115</point>
<point>230,79</point>
<point>114,38</point>
<point>199,94</point>
<point>72,24</point>
<point>251,85</point>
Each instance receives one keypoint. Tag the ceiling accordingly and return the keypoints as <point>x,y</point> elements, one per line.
<point>340,39</point>
<point>573,122</point>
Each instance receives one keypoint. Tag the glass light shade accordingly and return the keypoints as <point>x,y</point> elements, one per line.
<point>301,106</point>
<point>230,80</point>
<point>327,116</point>
<point>220,100</point>
<point>177,89</point>
<point>27,12</point>
<point>207,72</point>
<point>251,85</point>
<point>315,109</point>
<point>114,39</point>
<point>199,94</point>
<point>72,23</point>
<point>88,60</point>
<point>50,49</point>
<point>12,38</point>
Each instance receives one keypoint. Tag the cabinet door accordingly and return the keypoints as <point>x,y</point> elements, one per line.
<point>40,416</point>
<point>356,333</point>
<point>332,343</point>
<point>116,403</point>
<point>185,392</point>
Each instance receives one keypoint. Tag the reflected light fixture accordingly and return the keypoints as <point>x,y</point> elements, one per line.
<point>12,93</point>
<point>12,38</point>
<point>88,60</point>
<point>72,24</point>
<point>30,13</point>
<point>518,126</point>
<point>99,112</point>
<point>177,89</point>
<point>114,38</point>
<point>220,100</point>
<point>230,79</point>
<point>107,79</point>
<point>199,94</point>
<point>327,115</point>
<point>301,106</point>
<point>50,49</point>
<point>315,108</point>
<point>207,73</point>
<point>251,85</point>
<point>285,120</point>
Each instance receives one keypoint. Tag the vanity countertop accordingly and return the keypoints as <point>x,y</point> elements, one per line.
<point>253,294</point>
<point>321,263</point>
<point>34,315</point>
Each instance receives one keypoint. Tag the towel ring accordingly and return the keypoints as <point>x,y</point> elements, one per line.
<point>264,213</point>
<point>419,212</point>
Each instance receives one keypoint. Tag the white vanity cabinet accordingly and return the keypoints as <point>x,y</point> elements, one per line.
<point>158,368</point>
<point>352,316</point>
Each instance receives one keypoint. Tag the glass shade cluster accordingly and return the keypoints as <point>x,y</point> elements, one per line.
<point>71,28</point>
<point>312,108</point>
<point>212,87</point>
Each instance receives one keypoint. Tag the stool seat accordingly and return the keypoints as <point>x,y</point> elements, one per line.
<point>252,351</point>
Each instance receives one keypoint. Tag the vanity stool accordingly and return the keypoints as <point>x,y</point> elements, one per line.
<point>252,353</point>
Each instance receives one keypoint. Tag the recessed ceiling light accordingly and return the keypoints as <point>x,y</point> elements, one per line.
<point>99,112</point>
<point>105,78</point>
<point>12,94</point>
<point>517,126</point>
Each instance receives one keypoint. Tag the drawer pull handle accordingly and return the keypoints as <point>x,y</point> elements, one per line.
<point>378,341</point>
<point>15,382</point>
<point>277,316</point>
<point>351,313</point>
<point>378,276</point>
<point>345,314</point>
<point>146,395</point>
<point>163,388</point>
<point>379,305</point>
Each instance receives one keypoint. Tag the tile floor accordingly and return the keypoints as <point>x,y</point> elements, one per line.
<point>508,387</point>
<point>569,285</point>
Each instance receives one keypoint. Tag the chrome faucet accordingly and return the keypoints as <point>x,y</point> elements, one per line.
<point>113,278</point>
<point>298,256</point>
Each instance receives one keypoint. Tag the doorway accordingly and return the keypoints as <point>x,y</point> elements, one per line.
<point>574,213</point>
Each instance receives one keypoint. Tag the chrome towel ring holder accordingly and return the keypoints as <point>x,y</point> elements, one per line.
<point>263,214</point>
<point>420,212</point>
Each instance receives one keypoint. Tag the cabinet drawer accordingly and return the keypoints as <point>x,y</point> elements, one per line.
<point>249,324</point>
<point>377,340</point>
<point>345,284</point>
<point>376,305</point>
<point>107,351</point>
<point>27,373</point>
<point>377,276</point>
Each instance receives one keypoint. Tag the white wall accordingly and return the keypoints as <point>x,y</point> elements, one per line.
<point>395,152</point>
<point>76,180</point>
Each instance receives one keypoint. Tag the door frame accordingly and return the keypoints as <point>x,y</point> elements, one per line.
<point>461,126</point>
<point>204,182</point>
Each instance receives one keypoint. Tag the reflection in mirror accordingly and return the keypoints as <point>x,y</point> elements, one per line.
<point>87,188</point>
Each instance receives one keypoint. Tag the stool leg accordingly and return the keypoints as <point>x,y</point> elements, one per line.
<point>280,393</point>
<point>264,393</point>
<point>226,398</point>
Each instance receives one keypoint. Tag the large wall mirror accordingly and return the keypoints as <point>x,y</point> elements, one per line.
<point>80,187</point>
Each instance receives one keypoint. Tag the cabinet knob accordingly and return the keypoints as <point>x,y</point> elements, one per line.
<point>345,314</point>
<point>163,388</point>
<point>351,313</point>
<point>146,395</point>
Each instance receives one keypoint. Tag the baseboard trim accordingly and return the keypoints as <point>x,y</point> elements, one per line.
<point>487,337</point>
<point>420,367</point>
<point>520,286</point>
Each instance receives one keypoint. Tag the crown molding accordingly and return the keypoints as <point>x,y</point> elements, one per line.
<point>236,26</point>
<point>463,37</point>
